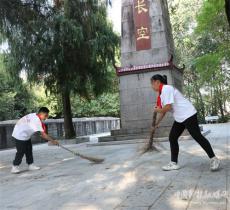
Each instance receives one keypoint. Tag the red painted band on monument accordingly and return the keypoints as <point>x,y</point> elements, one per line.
<point>141,67</point>
<point>145,68</point>
<point>142,24</point>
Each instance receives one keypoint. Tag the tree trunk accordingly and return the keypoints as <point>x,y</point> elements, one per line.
<point>199,98</point>
<point>68,123</point>
<point>220,100</point>
<point>201,104</point>
<point>221,107</point>
<point>227,9</point>
<point>215,108</point>
<point>213,101</point>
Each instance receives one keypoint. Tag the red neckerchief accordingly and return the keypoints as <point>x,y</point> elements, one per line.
<point>158,97</point>
<point>43,124</point>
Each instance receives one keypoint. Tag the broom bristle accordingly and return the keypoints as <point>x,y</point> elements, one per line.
<point>147,148</point>
<point>92,159</point>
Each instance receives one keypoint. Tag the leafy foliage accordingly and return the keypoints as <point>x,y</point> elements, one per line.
<point>106,104</point>
<point>15,98</point>
<point>67,47</point>
<point>202,40</point>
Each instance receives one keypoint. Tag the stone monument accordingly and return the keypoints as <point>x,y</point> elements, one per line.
<point>147,48</point>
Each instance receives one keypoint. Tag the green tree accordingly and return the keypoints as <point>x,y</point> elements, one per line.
<point>227,10</point>
<point>67,46</point>
<point>213,53</point>
<point>15,98</point>
<point>201,34</point>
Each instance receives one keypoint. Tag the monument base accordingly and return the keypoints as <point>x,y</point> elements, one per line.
<point>137,101</point>
<point>137,98</point>
<point>138,133</point>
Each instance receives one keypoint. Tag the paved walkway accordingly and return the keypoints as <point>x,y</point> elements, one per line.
<point>126,181</point>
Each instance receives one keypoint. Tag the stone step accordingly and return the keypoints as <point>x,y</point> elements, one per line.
<point>120,138</point>
<point>160,132</point>
<point>130,137</point>
<point>124,131</point>
<point>120,135</point>
<point>111,141</point>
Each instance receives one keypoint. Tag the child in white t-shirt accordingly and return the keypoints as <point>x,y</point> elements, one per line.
<point>171,100</point>
<point>23,130</point>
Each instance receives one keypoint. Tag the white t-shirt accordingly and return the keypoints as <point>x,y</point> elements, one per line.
<point>27,126</point>
<point>182,108</point>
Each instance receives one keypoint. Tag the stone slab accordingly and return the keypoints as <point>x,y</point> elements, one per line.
<point>111,141</point>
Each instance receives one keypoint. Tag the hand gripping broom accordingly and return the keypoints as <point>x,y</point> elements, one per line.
<point>92,159</point>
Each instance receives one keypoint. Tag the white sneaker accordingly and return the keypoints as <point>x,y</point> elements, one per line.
<point>214,164</point>
<point>171,166</point>
<point>32,167</point>
<point>15,169</point>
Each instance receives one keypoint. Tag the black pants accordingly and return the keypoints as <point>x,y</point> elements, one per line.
<point>191,124</point>
<point>23,147</point>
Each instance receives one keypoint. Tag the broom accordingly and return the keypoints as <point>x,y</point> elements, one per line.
<point>149,145</point>
<point>92,159</point>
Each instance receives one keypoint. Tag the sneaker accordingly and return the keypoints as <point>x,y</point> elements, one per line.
<point>32,167</point>
<point>214,164</point>
<point>15,170</point>
<point>171,166</point>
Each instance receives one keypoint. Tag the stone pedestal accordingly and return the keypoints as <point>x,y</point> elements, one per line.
<point>137,99</point>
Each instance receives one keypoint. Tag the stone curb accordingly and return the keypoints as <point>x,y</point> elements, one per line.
<point>137,141</point>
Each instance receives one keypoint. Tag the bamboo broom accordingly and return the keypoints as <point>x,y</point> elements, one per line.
<point>149,146</point>
<point>92,159</point>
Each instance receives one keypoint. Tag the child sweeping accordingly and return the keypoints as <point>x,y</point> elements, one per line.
<point>23,130</point>
<point>185,116</point>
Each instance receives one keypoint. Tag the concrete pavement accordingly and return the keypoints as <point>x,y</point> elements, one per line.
<point>125,181</point>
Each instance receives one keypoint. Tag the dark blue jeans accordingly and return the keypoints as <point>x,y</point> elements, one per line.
<point>191,124</point>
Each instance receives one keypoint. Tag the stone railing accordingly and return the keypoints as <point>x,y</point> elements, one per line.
<point>83,127</point>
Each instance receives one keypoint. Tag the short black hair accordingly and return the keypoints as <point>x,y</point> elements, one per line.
<point>161,78</point>
<point>44,110</point>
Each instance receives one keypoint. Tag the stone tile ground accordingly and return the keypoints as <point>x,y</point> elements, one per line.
<point>125,181</point>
